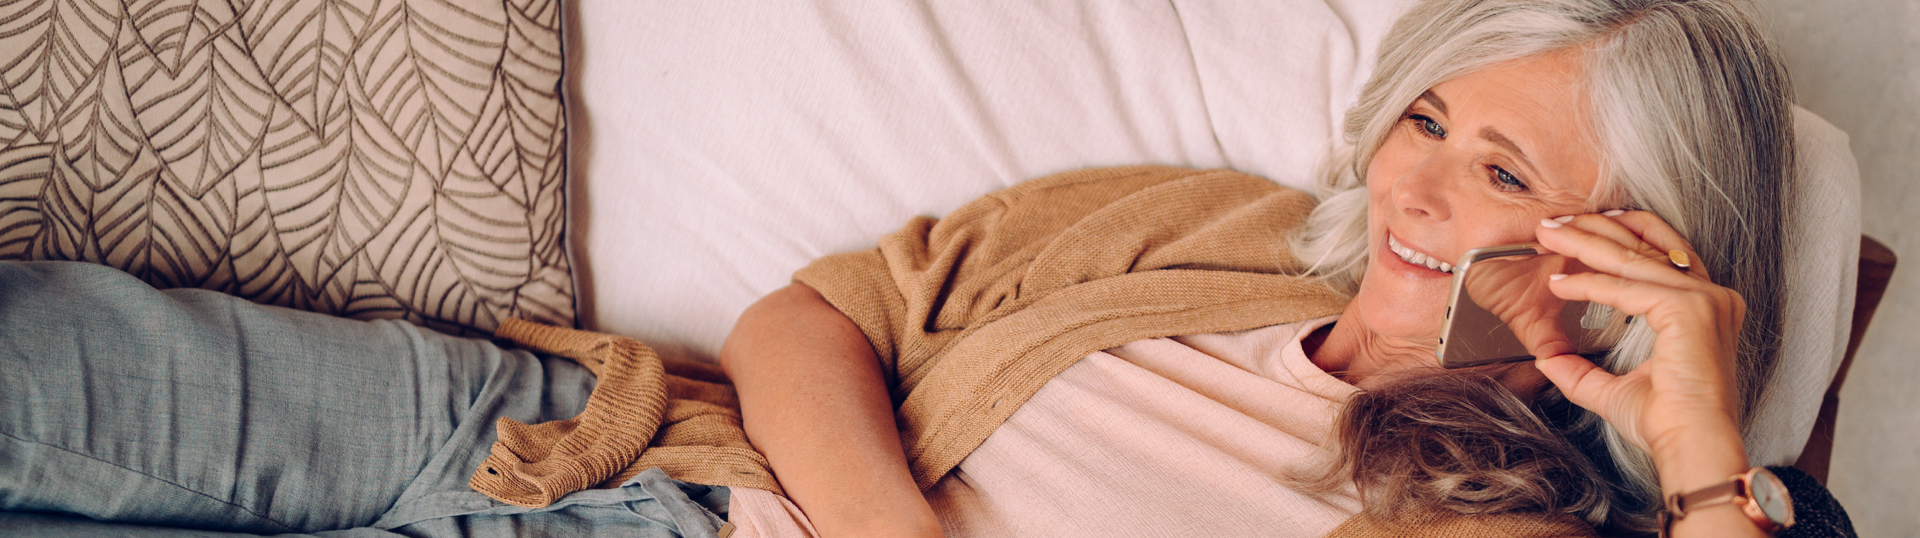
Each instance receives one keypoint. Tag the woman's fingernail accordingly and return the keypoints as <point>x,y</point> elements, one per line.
<point>1565,219</point>
<point>1550,223</point>
<point>1556,276</point>
<point>1615,212</point>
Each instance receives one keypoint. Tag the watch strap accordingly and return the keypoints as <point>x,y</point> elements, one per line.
<point>1737,490</point>
<point>1722,493</point>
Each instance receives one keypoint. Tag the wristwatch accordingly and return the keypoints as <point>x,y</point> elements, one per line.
<point>1758,493</point>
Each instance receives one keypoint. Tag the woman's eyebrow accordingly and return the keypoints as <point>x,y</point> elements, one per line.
<point>1488,133</point>
<point>1494,136</point>
<point>1434,100</point>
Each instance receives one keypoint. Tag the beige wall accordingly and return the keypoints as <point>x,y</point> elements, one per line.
<point>1857,63</point>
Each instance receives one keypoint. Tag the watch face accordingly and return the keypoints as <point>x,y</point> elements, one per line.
<point>1771,495</point>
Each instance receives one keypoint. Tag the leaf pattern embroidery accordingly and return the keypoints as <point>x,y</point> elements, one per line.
<point>367,158</point>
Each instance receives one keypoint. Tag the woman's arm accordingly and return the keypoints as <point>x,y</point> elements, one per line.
<point>814,400</point>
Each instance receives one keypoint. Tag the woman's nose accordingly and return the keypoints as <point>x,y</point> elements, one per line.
<point>1421,193</point>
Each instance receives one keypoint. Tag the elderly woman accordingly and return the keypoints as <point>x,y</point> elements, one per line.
<point>1614,132</point>
<point>1142,351</point>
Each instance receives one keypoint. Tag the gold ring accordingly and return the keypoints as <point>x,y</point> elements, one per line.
<point>1679,260</point>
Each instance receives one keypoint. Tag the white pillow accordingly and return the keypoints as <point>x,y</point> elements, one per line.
<point>1822,263</point>
<point>721,145</point>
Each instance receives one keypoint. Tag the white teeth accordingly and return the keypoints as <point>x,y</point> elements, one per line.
<point>1416,257</point>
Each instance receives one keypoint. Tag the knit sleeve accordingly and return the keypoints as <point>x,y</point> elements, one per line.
<point>925,282</point>
<point>1816,513</point>
<point>929,282</point>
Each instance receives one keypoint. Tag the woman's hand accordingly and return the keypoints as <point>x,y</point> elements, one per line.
<point>1682,405</point>
<point>1689,378</point>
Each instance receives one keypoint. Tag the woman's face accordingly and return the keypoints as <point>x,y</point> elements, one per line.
<point>1476,161</point>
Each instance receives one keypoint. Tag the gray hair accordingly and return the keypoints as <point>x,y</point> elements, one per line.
<point>1692,109</point>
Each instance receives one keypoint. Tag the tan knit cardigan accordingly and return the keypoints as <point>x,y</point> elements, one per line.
<point>970,315</point>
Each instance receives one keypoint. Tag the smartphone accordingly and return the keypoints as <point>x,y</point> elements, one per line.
<point>1500,310</point>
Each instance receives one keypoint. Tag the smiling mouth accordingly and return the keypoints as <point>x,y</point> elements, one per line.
<point>1417,258</point>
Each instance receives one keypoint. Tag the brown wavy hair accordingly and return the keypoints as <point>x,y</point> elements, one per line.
<point>1459,441</point>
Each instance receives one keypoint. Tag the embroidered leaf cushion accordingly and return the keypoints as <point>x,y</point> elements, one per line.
<point>366,158</point>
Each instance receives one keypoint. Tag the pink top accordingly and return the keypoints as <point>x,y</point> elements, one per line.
<point>1089,454</point>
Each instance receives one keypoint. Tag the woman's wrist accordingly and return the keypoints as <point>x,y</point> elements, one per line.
<point>1699,466</point>
<point>1699,455</point>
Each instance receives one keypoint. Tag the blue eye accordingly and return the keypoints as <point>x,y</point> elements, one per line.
<point>1504,180</point>
<point>1432,128</point>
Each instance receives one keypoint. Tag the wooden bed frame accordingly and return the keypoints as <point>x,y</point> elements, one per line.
<point>1876,269</point>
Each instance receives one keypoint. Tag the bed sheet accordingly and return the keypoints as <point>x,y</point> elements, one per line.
<point>718,146</point>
